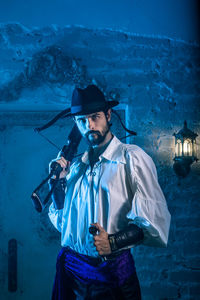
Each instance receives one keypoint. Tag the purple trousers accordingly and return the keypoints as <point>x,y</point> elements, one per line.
<point>83,277</point>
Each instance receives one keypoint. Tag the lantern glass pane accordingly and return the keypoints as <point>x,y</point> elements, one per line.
<point>178,149</point>
<point>187,148</point>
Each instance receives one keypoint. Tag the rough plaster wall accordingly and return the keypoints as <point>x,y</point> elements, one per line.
<point>159,80</point>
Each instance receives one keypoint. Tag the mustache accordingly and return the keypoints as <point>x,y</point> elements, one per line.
<point>92,131</point>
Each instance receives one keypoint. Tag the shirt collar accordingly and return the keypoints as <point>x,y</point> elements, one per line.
<point>114,152</point>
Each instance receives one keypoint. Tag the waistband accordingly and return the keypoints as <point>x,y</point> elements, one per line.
<point>99,259</point>
<point>113,270</point>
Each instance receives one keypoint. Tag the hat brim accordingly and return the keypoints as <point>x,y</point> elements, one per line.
<point>92,109</point>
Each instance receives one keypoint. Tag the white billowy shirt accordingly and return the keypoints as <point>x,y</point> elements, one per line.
<point>122,188</point>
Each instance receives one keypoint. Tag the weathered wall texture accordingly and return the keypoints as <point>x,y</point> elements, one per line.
<point>158,80</point>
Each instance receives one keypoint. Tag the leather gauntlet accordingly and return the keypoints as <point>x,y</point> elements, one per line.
<point>130,236</point>
<point>58,195</point>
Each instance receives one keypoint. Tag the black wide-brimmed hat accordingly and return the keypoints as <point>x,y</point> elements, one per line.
<point>89,100</point>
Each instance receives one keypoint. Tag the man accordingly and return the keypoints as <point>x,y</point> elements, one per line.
<point>112,187</point>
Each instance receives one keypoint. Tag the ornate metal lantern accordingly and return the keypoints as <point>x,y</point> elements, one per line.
<point>185,151</point>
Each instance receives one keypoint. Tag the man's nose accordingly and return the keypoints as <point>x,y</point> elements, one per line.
<point>90,124</point>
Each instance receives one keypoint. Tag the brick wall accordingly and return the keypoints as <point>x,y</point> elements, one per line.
<point>158,78</point>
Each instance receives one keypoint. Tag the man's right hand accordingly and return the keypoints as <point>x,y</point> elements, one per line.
<point>65,164</point>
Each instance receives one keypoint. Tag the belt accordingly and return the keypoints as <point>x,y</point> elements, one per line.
<point>113,270</point>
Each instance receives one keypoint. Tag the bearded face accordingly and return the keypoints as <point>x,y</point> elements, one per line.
<point>94,127</point>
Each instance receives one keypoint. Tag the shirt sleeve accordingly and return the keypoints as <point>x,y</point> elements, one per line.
<point>55,215</point>
<point>149,208</point>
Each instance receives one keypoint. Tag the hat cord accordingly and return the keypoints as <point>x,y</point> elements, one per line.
<point>62,114</point>
<point>126,129</point>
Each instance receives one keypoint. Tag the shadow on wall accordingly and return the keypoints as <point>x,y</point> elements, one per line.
<point>49,66</point>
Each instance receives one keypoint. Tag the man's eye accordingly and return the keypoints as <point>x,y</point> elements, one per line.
<point>82,121</point>
<point>95,117</point>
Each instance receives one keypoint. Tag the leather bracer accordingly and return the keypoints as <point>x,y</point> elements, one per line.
<point>58,195</point>
<point>130,236</point>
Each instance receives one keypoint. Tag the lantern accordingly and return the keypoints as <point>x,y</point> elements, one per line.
<point>185,151</point>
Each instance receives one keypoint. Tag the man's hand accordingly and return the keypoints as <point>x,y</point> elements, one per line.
<point>64,164</point>
<point>101,241</point>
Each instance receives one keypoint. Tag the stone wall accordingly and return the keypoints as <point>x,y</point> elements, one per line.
<point>157,82</point>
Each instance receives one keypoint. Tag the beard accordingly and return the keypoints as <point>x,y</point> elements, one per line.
<point>95,137</point>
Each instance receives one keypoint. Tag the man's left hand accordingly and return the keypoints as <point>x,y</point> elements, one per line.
<point>101,241</point>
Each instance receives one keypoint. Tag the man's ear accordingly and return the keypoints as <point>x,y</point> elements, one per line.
<point>108,114</point>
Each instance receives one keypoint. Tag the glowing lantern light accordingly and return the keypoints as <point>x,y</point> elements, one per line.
<point>185,150</point>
